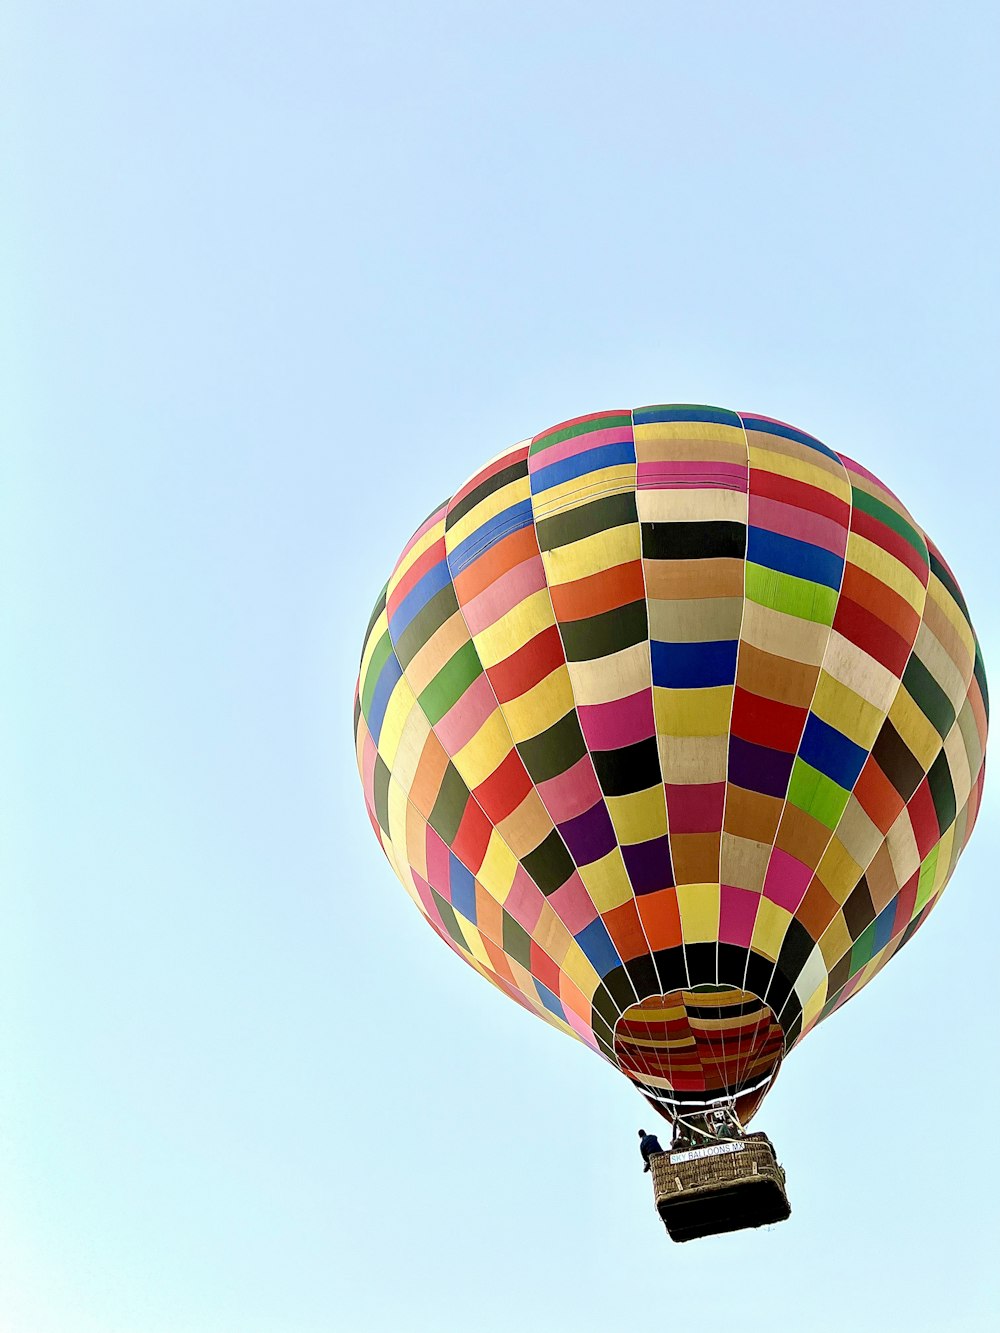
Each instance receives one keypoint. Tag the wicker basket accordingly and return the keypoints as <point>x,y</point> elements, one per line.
<point>722,1187</point>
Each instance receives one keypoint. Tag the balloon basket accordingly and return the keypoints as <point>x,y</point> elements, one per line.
<point>727,1186</point>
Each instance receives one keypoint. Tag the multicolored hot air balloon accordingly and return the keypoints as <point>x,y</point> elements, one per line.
<point>672,723</point>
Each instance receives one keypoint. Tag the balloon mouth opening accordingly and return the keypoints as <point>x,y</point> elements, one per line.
<point>699,1048</point>
<point>745,1103</point>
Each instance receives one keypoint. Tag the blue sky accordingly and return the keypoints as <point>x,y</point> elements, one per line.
<point>278,277</point>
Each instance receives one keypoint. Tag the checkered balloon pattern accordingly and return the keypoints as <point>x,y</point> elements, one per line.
<point>672,724</point>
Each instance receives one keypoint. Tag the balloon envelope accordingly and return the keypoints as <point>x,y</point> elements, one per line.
<point>672,723</point>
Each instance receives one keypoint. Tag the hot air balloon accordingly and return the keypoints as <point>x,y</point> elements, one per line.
<point>672,723</point>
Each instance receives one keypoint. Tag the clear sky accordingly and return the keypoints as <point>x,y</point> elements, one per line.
<point>277,278</point>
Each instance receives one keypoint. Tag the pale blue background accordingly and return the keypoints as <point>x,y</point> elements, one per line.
<point>278,277</point>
